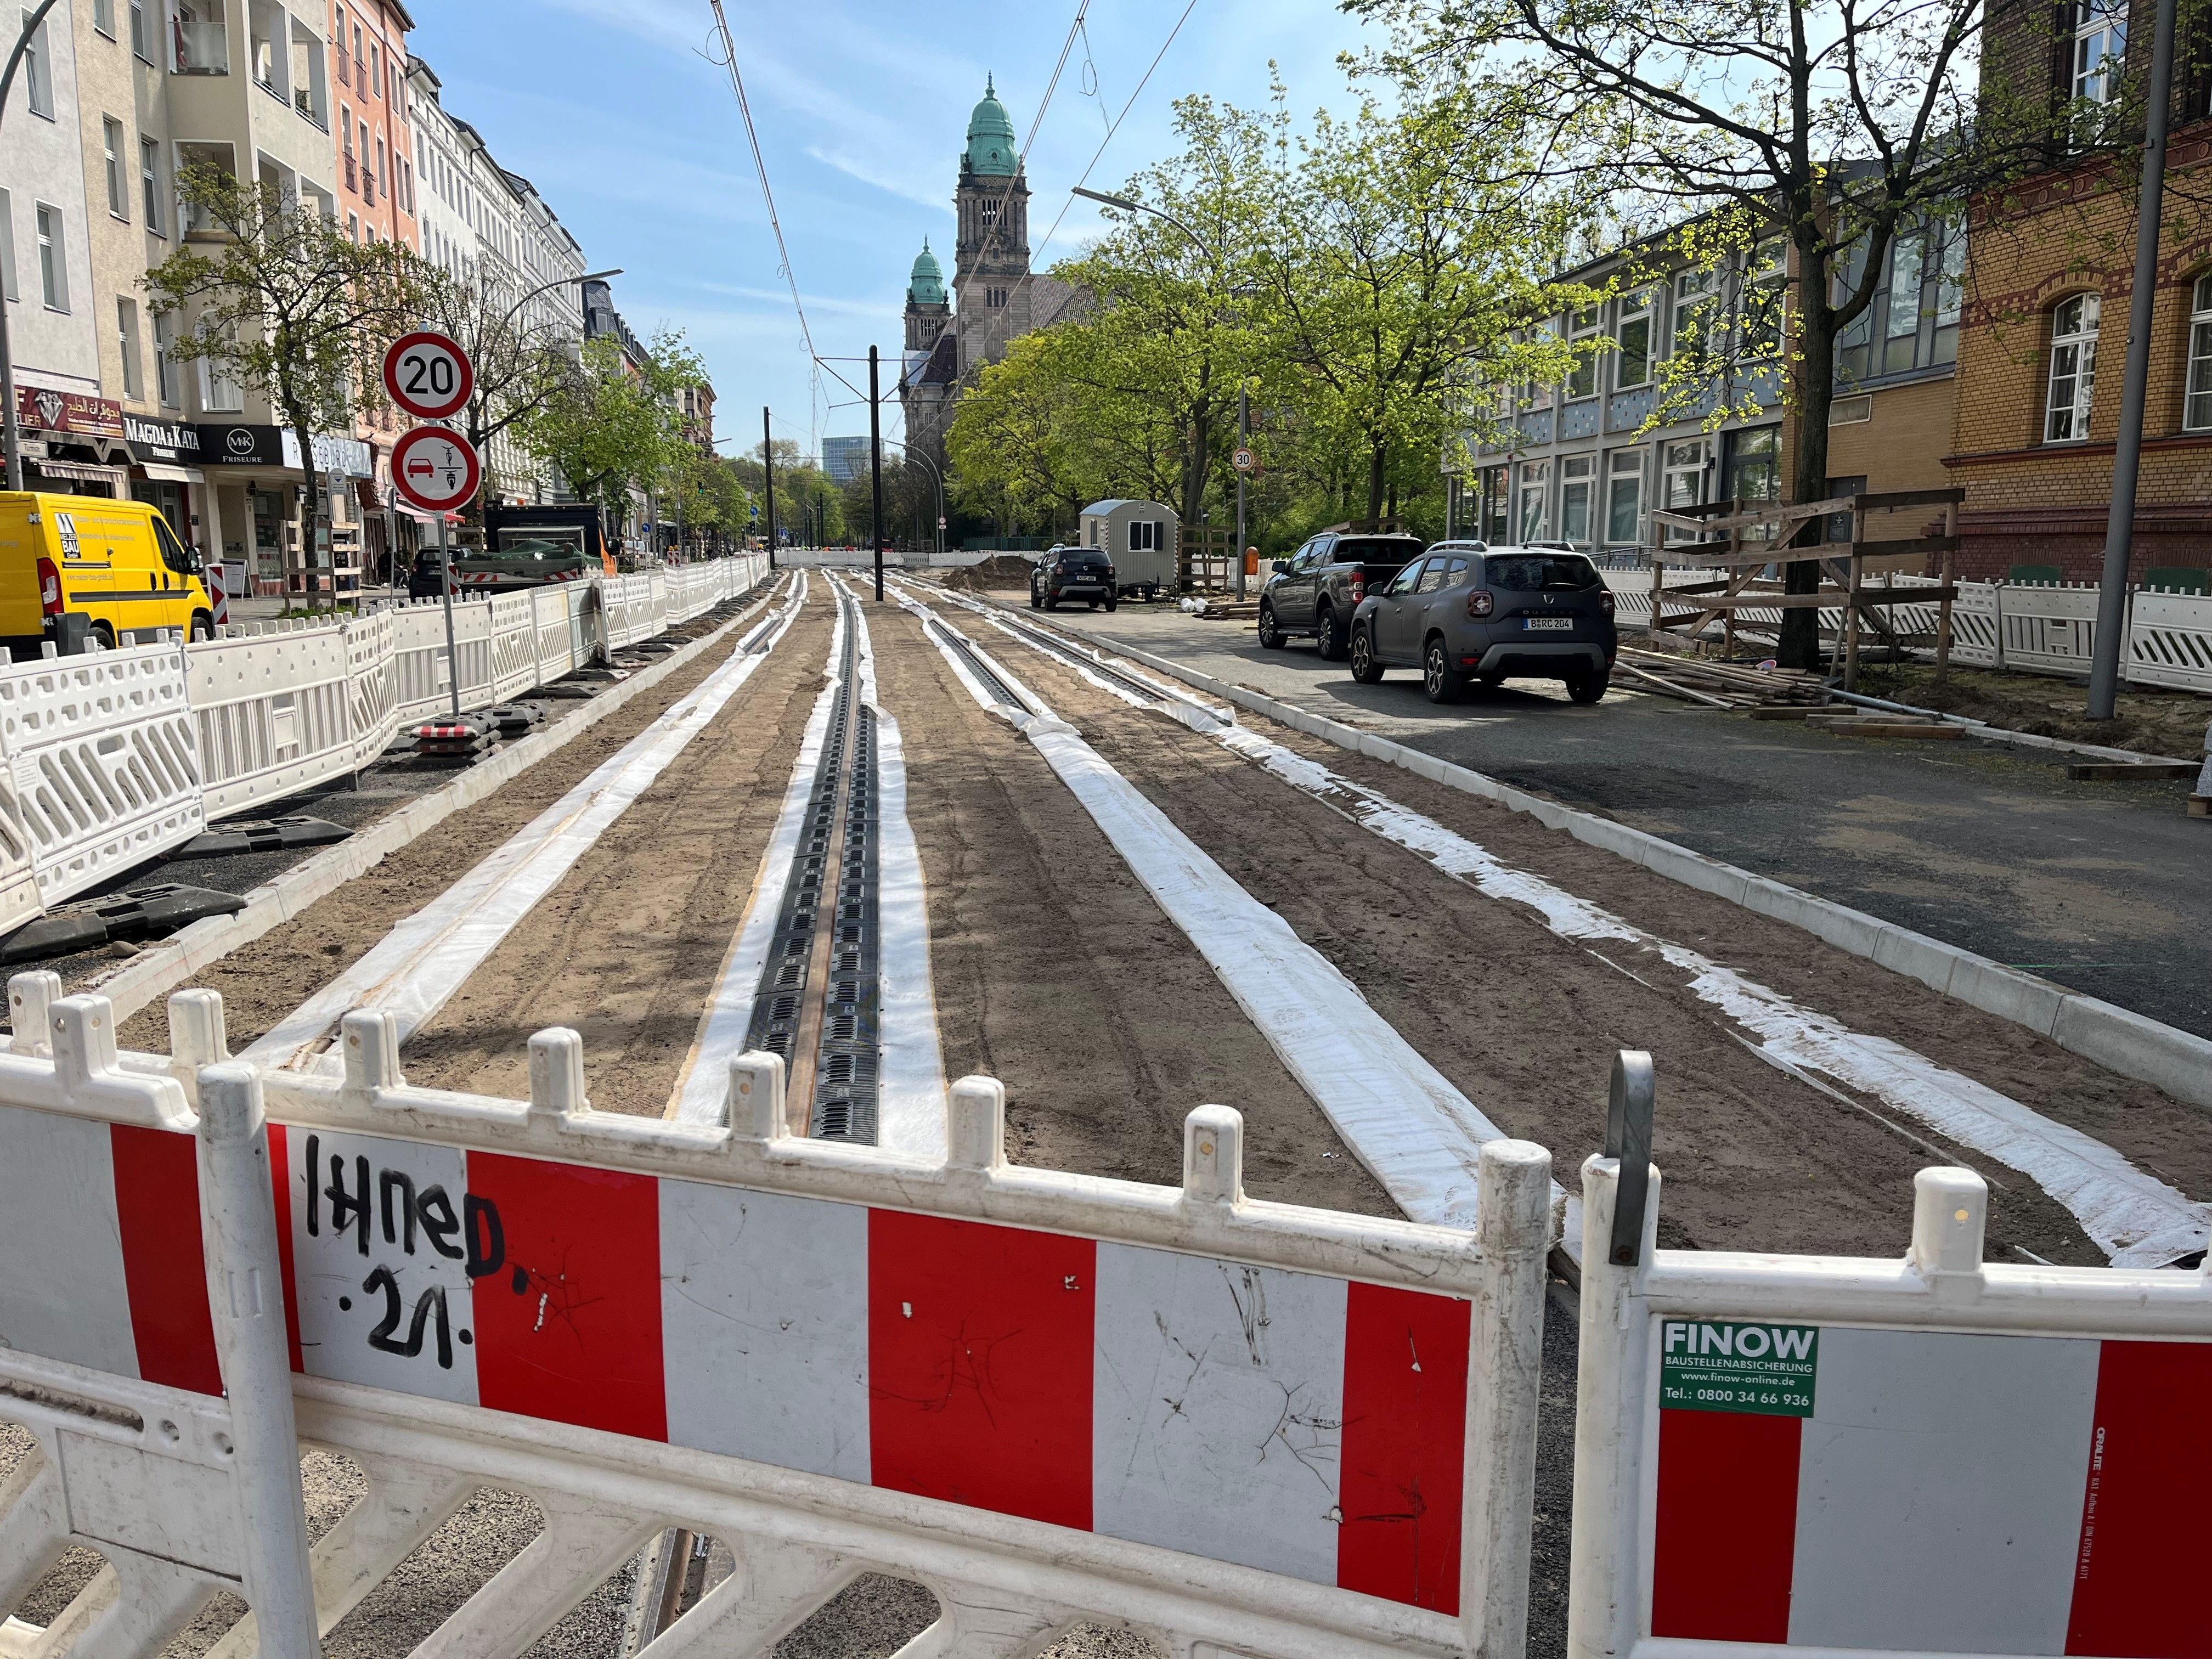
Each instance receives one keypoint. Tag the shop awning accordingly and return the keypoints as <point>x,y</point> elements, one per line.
<point>167,474</point>
<point>113,476</point>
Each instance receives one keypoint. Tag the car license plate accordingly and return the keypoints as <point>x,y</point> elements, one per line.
<point>1561,624</point>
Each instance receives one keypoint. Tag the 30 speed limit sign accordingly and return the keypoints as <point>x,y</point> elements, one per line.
<point>435,468</point>
<point>427,375</point>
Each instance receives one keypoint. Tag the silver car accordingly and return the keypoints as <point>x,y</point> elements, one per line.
<point>1470,611</point>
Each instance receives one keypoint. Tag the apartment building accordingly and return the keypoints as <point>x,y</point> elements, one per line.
<point>70,429</point>
<point>489,228</point>
<point>2051,279</point>
<point>1631,430</point>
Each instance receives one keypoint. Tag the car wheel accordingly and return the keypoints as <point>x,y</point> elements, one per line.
<point>1328,635</point>
<point>1586,688</point>
<point>1051,604</point>
<point>1366,666</point>
<point>1440,681</point>
<point>105,634</point>
<point>1035,603</point>
<point>1111,604</point>
<point>1271,635</point>
<point>203,626</point>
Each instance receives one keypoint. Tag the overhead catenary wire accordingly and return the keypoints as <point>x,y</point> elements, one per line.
<point>1116,126</point>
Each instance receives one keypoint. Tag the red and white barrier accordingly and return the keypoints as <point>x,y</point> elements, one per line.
<point>1239,1427</point>
<point>1933,1454</point>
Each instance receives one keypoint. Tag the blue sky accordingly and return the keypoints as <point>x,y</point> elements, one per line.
<point>862,106</point>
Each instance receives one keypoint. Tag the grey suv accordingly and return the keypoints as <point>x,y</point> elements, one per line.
<point>1470,612</point>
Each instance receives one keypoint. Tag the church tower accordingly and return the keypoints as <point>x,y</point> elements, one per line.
<point>928,311</point>
<point>991,262</point>
<point>927,372</point>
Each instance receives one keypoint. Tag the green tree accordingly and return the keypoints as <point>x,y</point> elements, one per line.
<point>286,306</point>
<point>613,425</point>
<point>521,365</point>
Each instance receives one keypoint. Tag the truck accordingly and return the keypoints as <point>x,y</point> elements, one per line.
<point>1316,589</point>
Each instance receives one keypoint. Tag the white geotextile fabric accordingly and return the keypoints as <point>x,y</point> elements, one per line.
<point>703,1086</point>
<point>1419,1136</point>
<point>425,958</point>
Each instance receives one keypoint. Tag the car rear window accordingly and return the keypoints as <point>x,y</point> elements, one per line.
<point>1527,572</point>
<point>1086,556</point>
<point>1371,550</point>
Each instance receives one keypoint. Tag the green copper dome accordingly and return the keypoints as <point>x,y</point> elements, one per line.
<point>928,286</point>
<point>990,137</point>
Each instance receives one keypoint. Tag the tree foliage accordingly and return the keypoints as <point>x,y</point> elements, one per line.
<point>611,425</point>
<point>285,304</point>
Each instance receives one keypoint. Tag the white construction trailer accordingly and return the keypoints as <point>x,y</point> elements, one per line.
<point>1141,538</point>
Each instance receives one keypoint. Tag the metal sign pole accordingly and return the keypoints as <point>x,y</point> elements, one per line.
<point>453,653</point>
<point>1245,441</point>
<point>876,471</point>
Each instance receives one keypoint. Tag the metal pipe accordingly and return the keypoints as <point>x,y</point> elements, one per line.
<point>446,583</point>
<point>768,480</point>
<point>2127,452</point>
<point>876,470</point>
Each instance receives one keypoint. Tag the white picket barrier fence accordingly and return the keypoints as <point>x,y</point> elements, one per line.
<point>115,756</point>
<point>2035,627</point>
<point>1930,1455</point>
<point>1242,1428</point>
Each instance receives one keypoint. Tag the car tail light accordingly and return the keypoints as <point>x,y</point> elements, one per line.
<point>1110,573</point>
<point>50,588</point>
<point>1358,585</point>
<point>1605,602</point>
<point>1481,602</point>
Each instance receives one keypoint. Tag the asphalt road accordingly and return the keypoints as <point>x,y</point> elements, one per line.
<point>2099,886</point>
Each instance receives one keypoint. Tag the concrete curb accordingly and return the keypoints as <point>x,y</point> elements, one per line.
<point>147,976</point>
<point>2129,1043</point>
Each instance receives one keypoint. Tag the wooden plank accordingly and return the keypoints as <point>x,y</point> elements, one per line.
<point>1858,728</point>
<point>2132,771</point>
<point>1777,513</point>
<point>1889,499</point>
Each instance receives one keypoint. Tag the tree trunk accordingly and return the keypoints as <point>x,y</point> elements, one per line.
<point>1377,452</point>
<point>311,509</point>
<point>1815,374</point>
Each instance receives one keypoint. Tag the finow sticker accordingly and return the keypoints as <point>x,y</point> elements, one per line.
<point>1720,1366</point>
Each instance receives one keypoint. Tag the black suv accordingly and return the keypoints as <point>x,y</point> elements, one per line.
<point>1467,611</point>
<point>1072,572</point>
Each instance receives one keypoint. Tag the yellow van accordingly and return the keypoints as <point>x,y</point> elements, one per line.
<point>118,563</point>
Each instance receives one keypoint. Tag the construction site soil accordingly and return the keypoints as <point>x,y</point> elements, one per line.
<point>1000,570</point>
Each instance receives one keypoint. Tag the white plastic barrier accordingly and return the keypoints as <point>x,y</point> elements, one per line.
<point>104,761</point>
<point>1244,1428</point>
<point>1824,1456</point>
<point>273,714</point>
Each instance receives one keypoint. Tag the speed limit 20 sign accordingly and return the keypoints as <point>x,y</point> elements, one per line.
<point>435,468</point>
<point>427,375</point>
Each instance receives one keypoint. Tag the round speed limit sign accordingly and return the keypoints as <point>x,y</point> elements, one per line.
<point>427,375</point>
<point>435,468</point>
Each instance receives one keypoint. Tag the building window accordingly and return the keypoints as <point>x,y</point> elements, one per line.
<point>1696,298</point>
<point>103,17</point>
<point>8,288</point>
<point>1763,291</point>
<point>142,32</point>
<point>1582,329</point>
<point>2100,49</point>
<point>1624,498</point>
<point>38,82</point>
<point>1755,465</point>
<point>165,366</point>
<point>219,392</point>
<point>339,41</point>
<point>1632,363</point>
<point>118,190</point>
<point>1534,497</point>
<point>2073,368</point>
<point>2196,412</point>
<point>1496,516</point>
<point>1683,482</point>
<point>990,212</point>
<point>1577,482</point>
<point>150,182</point>
<point>53,259</point>
<point>126,335</point>
<point>376,79</point>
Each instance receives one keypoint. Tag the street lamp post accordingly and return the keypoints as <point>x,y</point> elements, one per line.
<point>876,470</point>
<point>768,480</point>
<point>7,440</point>
<point>1219,274</point>
<point>936,477</point>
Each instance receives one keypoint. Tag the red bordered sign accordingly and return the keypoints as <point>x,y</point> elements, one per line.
<point>435,468</point>
<point>429,375</point>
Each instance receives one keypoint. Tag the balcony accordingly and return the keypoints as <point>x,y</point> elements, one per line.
<point>368,186</point>
<point>350,183</point>
<point>345,67</point>
<point>202,48</point>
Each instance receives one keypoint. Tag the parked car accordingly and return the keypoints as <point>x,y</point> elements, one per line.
<point>1072,572</point>
<point>1318,587</point>
<point>78,565</point>
<point>1467,611</point>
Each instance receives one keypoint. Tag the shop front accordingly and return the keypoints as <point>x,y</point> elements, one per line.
<point>165,475</point>
<point>257,484</point>
<point>71,442</point>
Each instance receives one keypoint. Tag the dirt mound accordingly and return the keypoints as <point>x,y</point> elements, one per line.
<point>1000,570</point>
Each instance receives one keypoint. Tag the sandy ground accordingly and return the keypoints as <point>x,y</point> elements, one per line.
<point>2150,721</point>
<point>1526,1024</point>
<point>266,979</point>
<point>1058,974</point>
<point>627,949</point>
